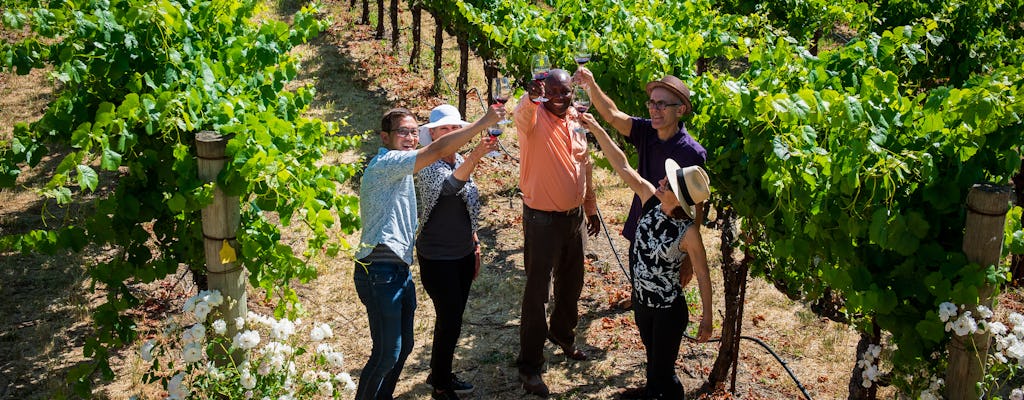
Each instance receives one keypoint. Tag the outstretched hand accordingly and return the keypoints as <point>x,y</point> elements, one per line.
<point>583,77</point>
<point>496,112</point>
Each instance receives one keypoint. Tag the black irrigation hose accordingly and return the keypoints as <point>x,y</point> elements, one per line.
<point>770,351</point>
<point>611,244</point>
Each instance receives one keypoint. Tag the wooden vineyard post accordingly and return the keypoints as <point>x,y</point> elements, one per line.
<point>220,223</point>
<point>395,32</point>
<point>983,242</point>
<point>414,55</point>
<point>463,80</point>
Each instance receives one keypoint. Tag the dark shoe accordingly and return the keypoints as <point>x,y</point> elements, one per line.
<point>437,394</point>
<point>457,385</point>
<point>460,386</point>
<point>570,351</point>
<point>534,385</point>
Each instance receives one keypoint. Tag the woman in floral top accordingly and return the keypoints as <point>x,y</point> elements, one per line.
<point>665,235</point>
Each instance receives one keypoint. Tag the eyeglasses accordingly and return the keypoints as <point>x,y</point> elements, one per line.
<point>660,105</point>
<point>404,132</point>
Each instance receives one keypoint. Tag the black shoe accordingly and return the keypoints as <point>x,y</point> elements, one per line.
<point>457,385</point>
<point>460,386</point>
<point>437,394</point>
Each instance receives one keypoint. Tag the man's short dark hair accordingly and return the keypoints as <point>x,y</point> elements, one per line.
<point>392,117</point>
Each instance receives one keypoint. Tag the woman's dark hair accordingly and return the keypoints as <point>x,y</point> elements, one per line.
<point>391,118</point>
<point>678,213</point>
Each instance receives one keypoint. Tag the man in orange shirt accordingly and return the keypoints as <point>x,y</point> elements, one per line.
<point>555,177</point>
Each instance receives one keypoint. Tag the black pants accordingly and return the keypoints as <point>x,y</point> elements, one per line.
<point>447,282</point>
<point>553,244</point>
<point>661,330</point>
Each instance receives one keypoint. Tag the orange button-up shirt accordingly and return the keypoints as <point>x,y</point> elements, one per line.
<point>555,167</point>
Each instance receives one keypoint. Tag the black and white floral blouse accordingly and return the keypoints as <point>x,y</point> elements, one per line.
<point>656,256</point>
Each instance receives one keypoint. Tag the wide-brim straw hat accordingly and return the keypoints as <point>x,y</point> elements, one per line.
<point>690,185</point>
<point>445,114</point>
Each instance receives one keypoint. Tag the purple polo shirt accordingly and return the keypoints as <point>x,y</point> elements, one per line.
<point>652,153</point>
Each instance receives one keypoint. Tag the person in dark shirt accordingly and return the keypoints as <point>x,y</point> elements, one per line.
<point>661,137</point>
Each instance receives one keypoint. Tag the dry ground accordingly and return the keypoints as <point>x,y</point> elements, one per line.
<point>357,78</point>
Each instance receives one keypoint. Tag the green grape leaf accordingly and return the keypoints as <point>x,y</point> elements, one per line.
<point>87,177</point>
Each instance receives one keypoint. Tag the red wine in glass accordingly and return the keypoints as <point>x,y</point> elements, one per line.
<point>494,132</point>
<point>582,60</point>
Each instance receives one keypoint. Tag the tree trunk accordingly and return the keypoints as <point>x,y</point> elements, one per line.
<point>857,389</point>
<point>395,32</point>
<point>365,19</point>
<point>702,65</point>
<point>380,20</point>
<point>414,55</point>
<point>983,244</point>
<point>352,4</point>
<point>463,81</point>
<point>490,72</point>
<point>734,273</point>
<point>438,51</point>
<point>814,42</point>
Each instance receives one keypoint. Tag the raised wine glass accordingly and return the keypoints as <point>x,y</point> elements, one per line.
<point>541,66</point>
<point>494,132</point>
<point>501,89</point>
<point>581,102</point>
<point>582,55</point>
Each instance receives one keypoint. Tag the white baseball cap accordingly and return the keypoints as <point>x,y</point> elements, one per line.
<point>445,114</point>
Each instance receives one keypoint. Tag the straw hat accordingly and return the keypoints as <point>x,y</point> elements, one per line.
<point>445,114</point>
<point>690,185</point>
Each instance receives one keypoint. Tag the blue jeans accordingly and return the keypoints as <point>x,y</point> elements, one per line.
<point>387,291</point>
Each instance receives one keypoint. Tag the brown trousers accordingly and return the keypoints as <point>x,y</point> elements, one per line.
<point>553,244</point>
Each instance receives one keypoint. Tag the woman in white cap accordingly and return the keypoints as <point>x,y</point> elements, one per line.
<point>447,248</point>
<point>665,235</point>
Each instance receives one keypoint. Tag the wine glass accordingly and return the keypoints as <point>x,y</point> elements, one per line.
<point>501,89</point>
<point>494,132</point>
<point>581,102</point>
<point>582,56</point>
<point>541,65</point>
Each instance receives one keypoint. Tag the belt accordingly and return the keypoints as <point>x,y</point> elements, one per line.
<point>568,213</point>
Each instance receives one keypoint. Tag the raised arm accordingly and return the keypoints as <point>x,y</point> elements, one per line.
<point>465,169</point>
<point>617,158</point>
<point>451,142</point>
<point>619,120</point>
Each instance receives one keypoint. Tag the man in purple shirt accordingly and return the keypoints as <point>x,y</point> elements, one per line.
<point>660,137</point>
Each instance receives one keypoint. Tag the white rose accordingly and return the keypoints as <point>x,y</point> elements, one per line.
<point>947,310</point>
<point>247,380</point>
<point>192,353</point>
<point>202,310</point>
<point>246,340</point>
<point>220,327</point>
<point>214,298</point>
<point>346,379</point>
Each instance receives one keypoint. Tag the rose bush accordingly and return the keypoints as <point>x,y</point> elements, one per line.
<point>274,360</point>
